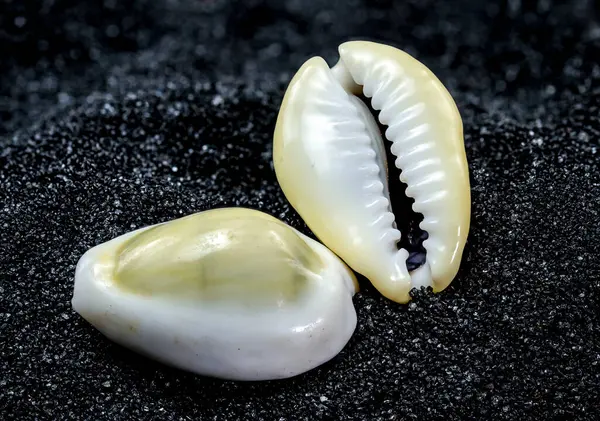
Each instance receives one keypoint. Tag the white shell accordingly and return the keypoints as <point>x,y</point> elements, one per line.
<point>227,334</point>
<point>329,160</point>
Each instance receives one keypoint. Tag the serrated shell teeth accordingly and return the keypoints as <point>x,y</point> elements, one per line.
<point>341,191</point>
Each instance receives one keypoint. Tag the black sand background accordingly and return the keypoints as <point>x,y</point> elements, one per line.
<point>117,115</point>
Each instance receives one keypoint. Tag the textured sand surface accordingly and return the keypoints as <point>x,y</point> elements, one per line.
<point>119,116</point>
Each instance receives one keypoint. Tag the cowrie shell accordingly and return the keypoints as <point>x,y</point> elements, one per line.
<point>330,161</point>
<point>231,293</point>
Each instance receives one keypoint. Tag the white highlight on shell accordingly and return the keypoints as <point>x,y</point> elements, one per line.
<point>330,162</point>
<point>229,293</point>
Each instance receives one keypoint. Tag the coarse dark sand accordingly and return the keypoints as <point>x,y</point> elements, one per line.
<point>126,114</point>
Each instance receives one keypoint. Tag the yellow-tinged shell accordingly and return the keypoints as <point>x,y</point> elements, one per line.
<point>230,293</point>
<point>328,160</point>
<point>219,255</point>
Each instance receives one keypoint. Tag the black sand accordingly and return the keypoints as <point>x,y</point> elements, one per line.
<point>117,117</point>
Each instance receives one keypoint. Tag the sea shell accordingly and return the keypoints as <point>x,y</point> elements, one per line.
<point>330,161</point>
<point>231,293</point>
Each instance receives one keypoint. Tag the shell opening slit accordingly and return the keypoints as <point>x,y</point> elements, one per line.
<point>397,204</point>
<point>406,219</point>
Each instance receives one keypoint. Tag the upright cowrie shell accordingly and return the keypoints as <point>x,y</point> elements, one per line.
<point>230,293</point>
<point>330,161</point>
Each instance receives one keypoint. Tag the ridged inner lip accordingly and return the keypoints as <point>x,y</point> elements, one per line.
<point>406,220</point>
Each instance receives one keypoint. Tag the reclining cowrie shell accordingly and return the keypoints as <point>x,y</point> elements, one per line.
<point>330,161</point>
<point>230,293</point>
